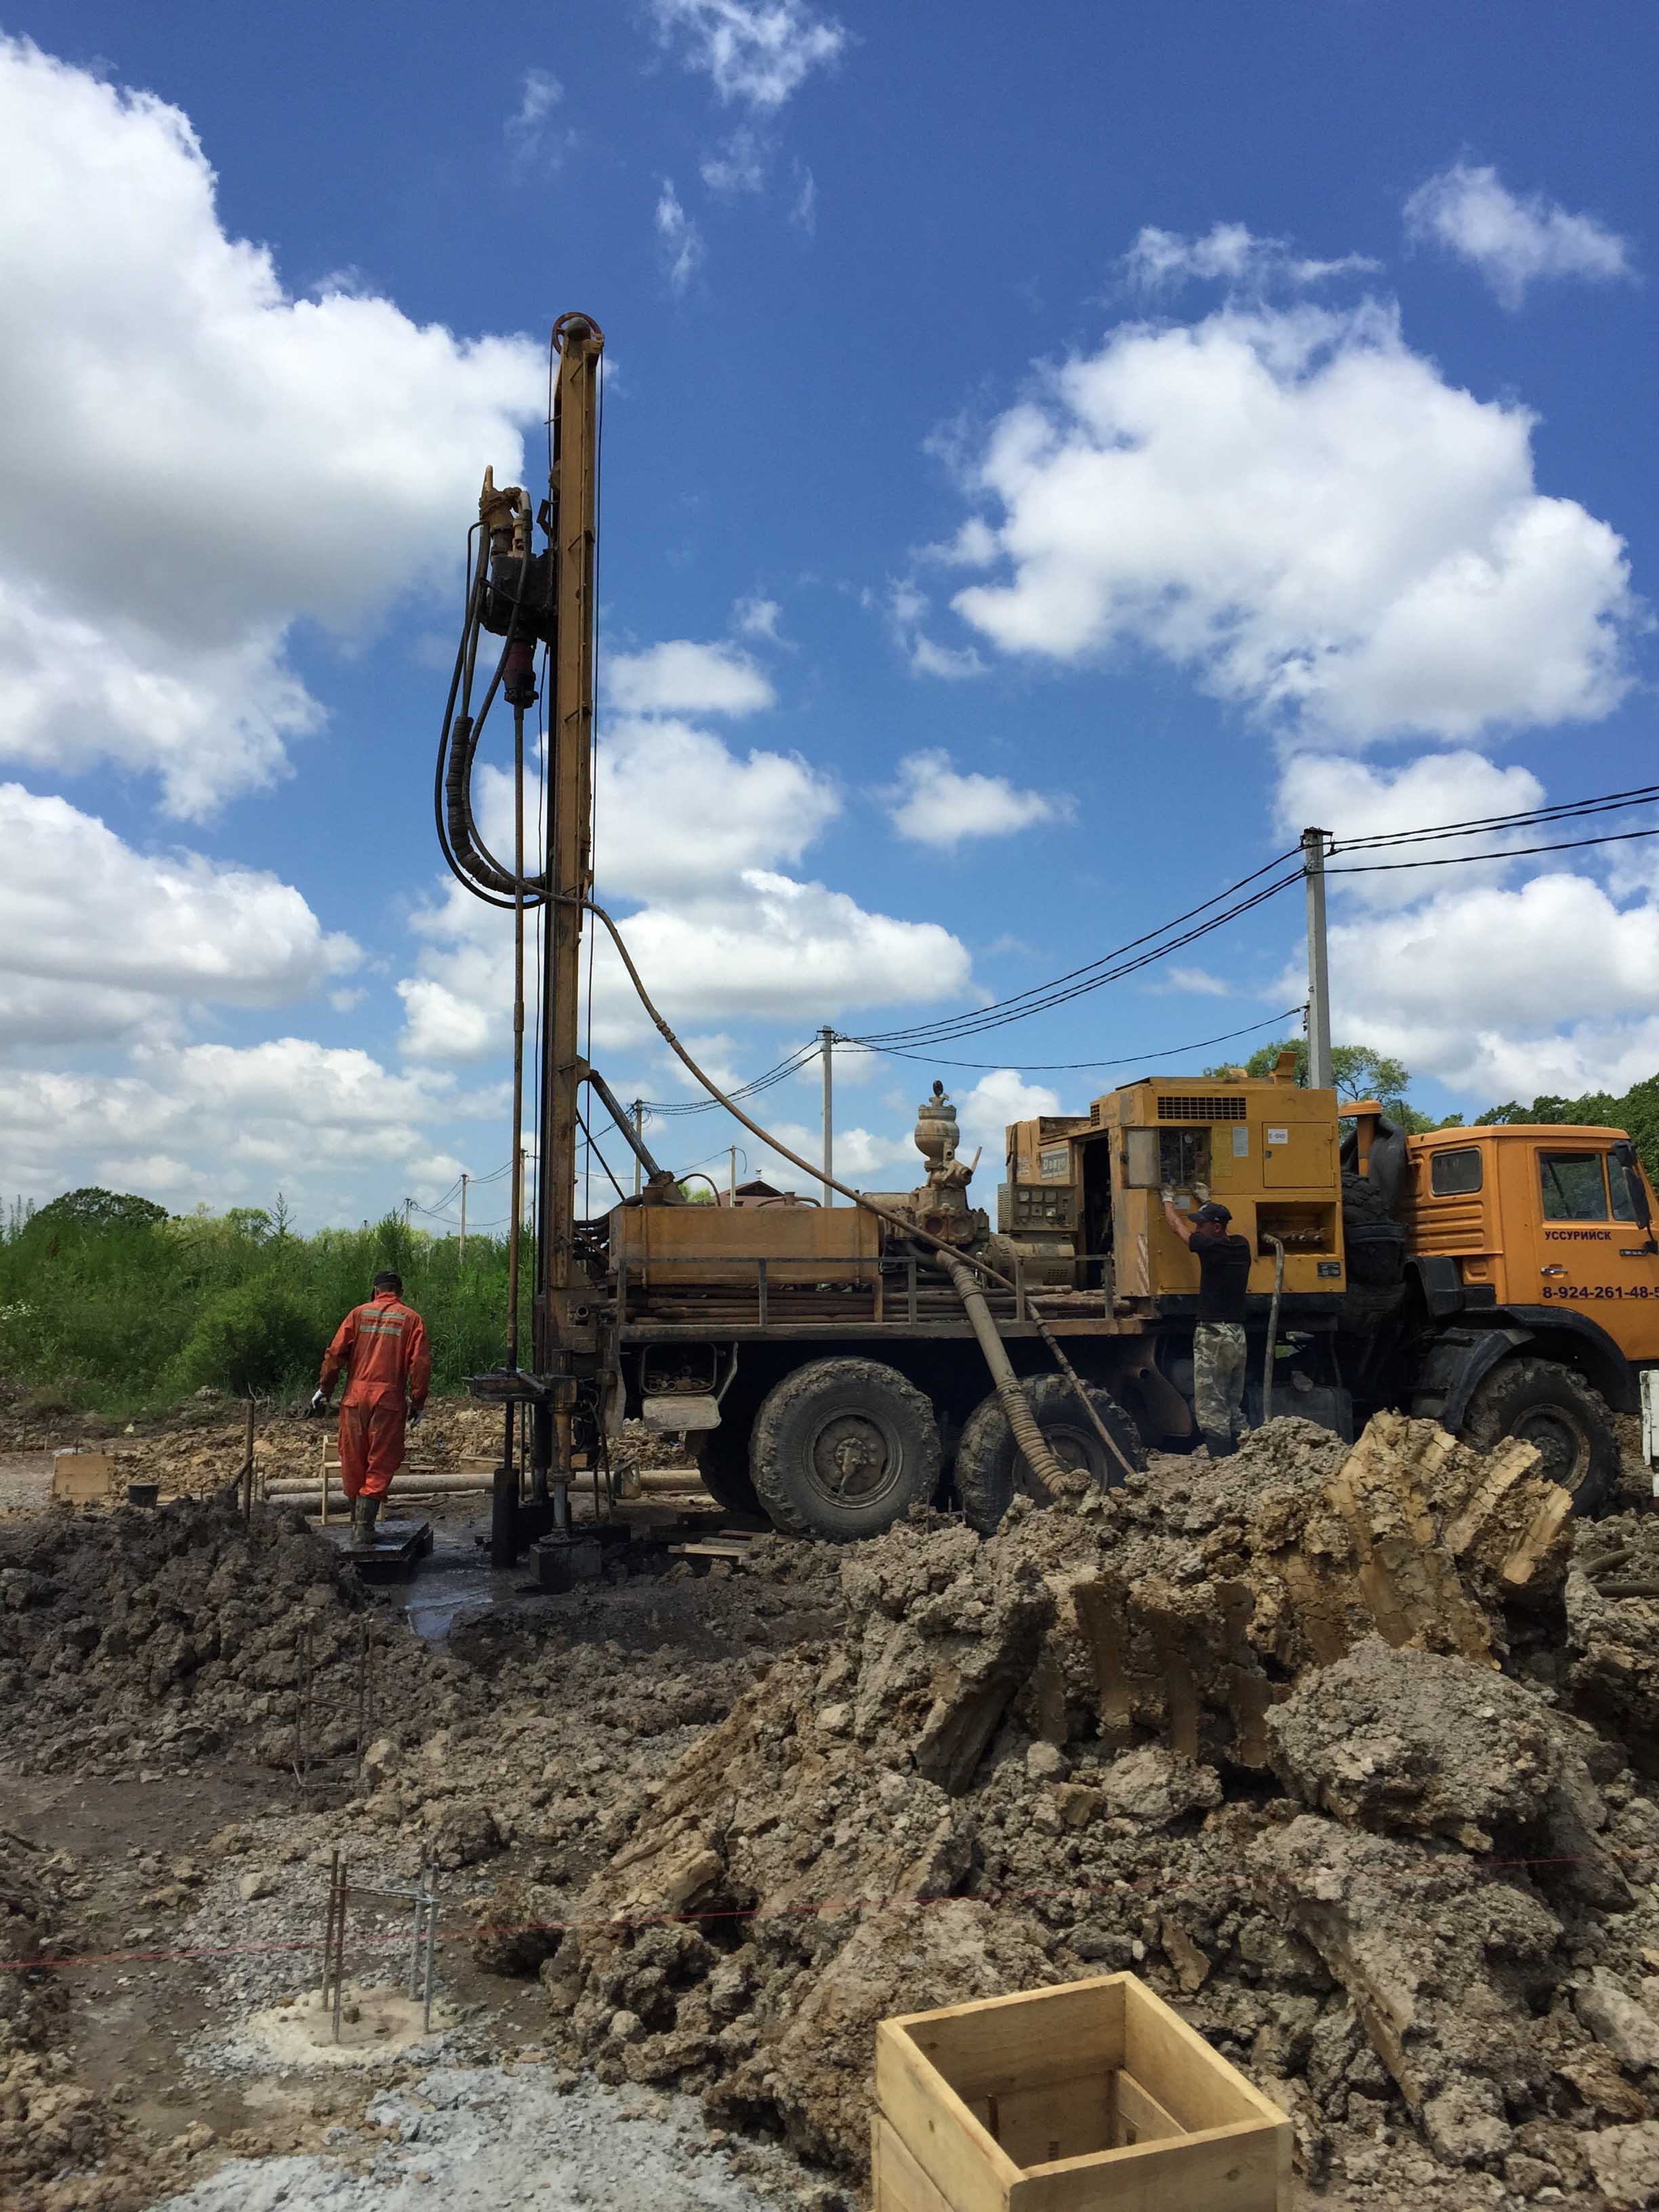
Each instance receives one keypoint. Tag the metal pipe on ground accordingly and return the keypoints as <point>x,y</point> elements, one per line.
<point>295,1493</point>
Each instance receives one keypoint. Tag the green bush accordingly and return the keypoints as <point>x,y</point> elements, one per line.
<point>250,1341</point>
<point>107,1305</point>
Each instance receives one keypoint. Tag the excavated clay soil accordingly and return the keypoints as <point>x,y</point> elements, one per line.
<point>697,1833</point>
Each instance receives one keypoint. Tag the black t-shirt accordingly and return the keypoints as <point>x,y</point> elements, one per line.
<point>1224,1272</point>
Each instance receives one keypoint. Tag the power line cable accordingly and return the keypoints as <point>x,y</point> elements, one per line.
<point>1039,990</point>
<point>1058,1067</point>
<point>1514,853</point>
<point>1565,811</point>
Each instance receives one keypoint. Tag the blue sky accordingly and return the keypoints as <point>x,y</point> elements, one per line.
<point>1044,467</point>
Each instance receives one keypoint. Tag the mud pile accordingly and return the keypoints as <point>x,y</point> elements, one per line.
<point>561,1714</point>
<point>163,1636</point>
<point>48,2122</point>
<point>1405,1891</point>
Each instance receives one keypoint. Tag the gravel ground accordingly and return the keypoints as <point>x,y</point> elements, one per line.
<point>475,2139</point>
<point>24,1481</point>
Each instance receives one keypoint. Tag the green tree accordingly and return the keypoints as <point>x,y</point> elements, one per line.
<point>97,1211</point>
<point>1636,1111</point>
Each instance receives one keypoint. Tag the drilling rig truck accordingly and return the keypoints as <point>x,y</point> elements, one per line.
<point>829,1364</point>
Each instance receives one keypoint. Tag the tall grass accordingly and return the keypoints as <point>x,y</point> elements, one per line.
<point>126,1316</point>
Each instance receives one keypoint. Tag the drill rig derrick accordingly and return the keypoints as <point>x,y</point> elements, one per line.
<point>540,602</point>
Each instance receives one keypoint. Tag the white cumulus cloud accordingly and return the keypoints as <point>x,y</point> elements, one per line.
<point>97,941</point>
<point>1498,988</point>
<point>221,441</point>
<point>1352,799</point>
<point>697,832</point>
<point>220,1124</point>
<point>1513,239</point>
<point>1305,513</point>
<point>681,676</point>
<point>759,52</point>
<point>938,804</point>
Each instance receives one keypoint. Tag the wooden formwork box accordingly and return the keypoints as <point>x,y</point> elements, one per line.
<point>1091,2097</point>
<point>81,1475</point>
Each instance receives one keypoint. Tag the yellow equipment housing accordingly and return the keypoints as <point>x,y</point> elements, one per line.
<point>1083,1199</point>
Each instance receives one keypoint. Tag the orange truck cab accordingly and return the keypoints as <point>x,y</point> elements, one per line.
<point>1531,1289</point>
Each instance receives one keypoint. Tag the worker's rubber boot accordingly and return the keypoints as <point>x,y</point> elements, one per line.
<point>1217,1446</point>
<point>371,1512</point>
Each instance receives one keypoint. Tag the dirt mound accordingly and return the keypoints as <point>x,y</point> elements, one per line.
<point>1047,1753</point>
<point>1422,1743</point>
<point>164,1635</point>
<point>1612,1625</point>
<point>51,2125</point>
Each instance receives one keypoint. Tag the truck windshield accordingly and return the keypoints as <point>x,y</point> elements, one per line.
<point>1573,1188</point>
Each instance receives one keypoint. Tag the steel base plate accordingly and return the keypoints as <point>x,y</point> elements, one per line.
<point>397,1549</point>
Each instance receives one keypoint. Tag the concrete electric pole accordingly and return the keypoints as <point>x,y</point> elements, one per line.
<point>1320,1076</point>
<point>461,1256</point>
<point>829,1037</point>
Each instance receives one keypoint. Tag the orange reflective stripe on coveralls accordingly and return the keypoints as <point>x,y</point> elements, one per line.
<point>383,1345</point>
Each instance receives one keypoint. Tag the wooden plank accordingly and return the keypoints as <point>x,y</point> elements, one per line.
<point>970,2172</point>
<point>897,2183</point>
<point>710,1547</point>
<point>1004,2044</point>
<point>1137,2115</point>
<point>1238,2169</point>
<point>1174,2062</point>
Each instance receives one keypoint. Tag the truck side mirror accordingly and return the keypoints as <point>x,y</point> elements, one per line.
<point>1623,1153</point>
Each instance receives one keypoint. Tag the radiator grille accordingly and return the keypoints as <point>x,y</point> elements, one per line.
<point>1201,1109</point>
<point>1094,1115</point>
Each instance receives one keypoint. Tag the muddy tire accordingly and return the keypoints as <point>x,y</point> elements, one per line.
<point>842,1449</point>
<point>1549,1406</point>
<point>990,1468</point>
<point>723,1467</point>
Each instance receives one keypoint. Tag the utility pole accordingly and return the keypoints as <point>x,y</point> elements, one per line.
<point>1320,1076</point>
<point>638,1111</point>
<point>462,1255</point>
<point>829,1037</point>
<point>732,1178</point>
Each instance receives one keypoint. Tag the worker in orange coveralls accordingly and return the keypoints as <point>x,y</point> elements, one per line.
<point>384,1345</point>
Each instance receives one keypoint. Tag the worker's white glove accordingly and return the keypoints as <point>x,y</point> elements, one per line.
<point>318,1402</point>
<point>1202,1192</point>
<point>1169,1194</point>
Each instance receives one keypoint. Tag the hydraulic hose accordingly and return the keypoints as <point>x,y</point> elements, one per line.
<point>858,1198</point>
<point>1021,1420</point>
<point>1272,1328</point>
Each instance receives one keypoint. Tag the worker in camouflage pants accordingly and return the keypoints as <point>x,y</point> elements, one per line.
<point>1223,1274</point>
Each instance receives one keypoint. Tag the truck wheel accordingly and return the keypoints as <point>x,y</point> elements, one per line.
<point>990,1465</point>
<point>842,1449</point>
<point>723,1467</point>
<point>1548,1405</point>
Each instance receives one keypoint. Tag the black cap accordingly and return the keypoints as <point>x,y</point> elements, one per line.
<point>1213,1212</point>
